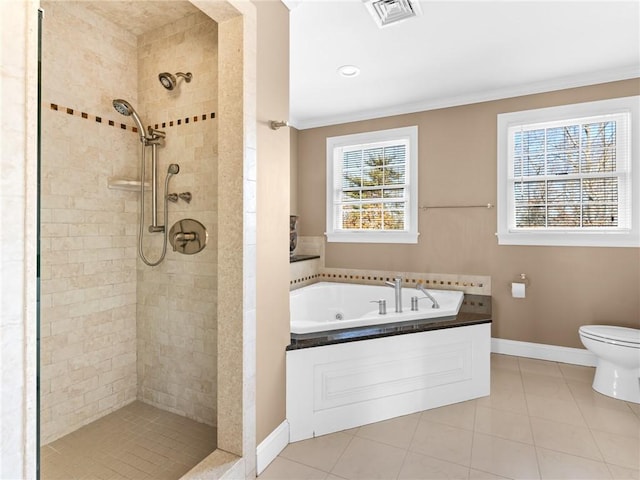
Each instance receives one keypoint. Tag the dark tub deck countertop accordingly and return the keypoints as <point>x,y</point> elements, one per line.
<point>300,258</point>
<point>475,309</point>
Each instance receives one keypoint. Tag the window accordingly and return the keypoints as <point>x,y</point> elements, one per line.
<point>570,175</point>
<point>372,182</point>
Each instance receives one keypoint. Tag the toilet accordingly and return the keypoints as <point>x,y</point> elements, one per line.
<point>618,353</point>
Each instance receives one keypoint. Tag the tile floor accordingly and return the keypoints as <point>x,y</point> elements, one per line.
<point>136,442</point>
<point>542,420</point>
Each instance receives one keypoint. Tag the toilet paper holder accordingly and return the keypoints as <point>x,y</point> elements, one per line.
<point>519,286</point>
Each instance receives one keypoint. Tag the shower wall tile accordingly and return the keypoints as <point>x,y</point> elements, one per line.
<point>88,247</point>
<point>177,300</point>
<point>91,59</point>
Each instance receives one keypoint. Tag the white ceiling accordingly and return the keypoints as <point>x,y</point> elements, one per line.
<point>457,52</point>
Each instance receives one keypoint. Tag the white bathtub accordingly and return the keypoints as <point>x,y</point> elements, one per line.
<point>328,306</point>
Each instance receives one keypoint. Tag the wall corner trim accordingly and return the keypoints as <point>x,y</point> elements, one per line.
<point>554,353</point>
<point>271,446</point>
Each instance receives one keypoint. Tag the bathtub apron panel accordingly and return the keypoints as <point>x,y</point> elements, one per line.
<point>337,387</point>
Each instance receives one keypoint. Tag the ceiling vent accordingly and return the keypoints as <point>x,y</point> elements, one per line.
<point>386,12</point>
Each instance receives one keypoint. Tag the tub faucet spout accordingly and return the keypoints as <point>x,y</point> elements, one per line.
<point>423,290</point>
<point>397,286</point>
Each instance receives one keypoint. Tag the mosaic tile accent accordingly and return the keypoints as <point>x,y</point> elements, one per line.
<point>407,281</point>
<point>304,272</point>
<point>186,120</point>
<point>307,272</point>
<point>94,118</point>
<point>305,280</point>
<point>472,284</point>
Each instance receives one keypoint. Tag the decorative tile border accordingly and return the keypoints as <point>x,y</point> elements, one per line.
<point>93,118</point>
<point>124,126</point>
<point>303,281</point>
<point>186,120</point>
<point>308,272</point>
<point>304,273</point>
<point>473,284</point>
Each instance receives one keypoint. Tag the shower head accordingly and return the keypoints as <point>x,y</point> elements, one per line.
<point>169,81</point>
<point>173,169</point>
<point>124,108</point>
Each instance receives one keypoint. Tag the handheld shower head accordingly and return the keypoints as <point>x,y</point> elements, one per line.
<point>173,169</point>
<point>170,81</point>
<point>124,108</point>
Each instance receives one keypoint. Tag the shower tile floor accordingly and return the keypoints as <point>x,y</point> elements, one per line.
<point>542,420</point>
<point>136,442</point>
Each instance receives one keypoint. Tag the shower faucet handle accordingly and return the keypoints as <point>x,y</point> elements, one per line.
<point>172,197</point>
<point>186,196</point>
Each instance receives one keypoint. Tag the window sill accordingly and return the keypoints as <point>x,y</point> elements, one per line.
<point>570,239</point>
<point>372,237</point>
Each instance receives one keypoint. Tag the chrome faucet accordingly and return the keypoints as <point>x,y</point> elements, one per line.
<point>423,290</point>
<point>397,286</point>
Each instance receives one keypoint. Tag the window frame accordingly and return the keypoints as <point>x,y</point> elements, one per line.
<point>623,236</point>
<point>335,144</point>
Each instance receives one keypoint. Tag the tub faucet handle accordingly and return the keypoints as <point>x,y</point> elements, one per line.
<point>382,306</point>
<point>414,303</point>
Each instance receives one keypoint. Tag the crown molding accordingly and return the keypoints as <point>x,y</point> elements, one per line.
<point>560,83</point>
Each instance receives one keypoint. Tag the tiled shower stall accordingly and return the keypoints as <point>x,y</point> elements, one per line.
<point>113,329</point>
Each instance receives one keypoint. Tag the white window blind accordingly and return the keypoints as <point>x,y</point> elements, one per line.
<point>566,175</point>
<point>373,193</point>
<point>572,174</point>
<point>370,196</point>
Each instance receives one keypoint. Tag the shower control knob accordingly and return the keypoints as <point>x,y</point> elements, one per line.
<point>186,196</point>
<point>181,239</point>
<point>188,236</point>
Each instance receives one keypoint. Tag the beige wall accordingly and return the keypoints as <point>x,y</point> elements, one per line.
<point>568,287</point>
<point>273,215</point>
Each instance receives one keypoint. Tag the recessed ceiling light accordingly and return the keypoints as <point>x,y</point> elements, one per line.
<point>349,71</point>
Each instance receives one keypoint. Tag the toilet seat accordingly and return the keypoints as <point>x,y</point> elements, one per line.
<point>623,336</point>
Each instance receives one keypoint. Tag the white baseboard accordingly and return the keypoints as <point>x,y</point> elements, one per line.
<point>575,356</point>
<point>271,446</point>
